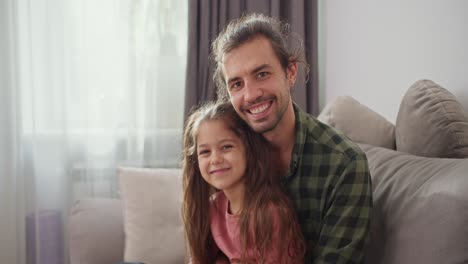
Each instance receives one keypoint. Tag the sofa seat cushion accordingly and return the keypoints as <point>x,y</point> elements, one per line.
<point>420,212</point>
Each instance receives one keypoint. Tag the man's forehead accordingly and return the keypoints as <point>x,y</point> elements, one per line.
<point>247,58</point>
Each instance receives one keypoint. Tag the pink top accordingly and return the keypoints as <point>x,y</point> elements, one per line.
<point>225,231</point>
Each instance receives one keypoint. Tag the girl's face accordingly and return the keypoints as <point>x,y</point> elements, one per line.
<point>221,156</point>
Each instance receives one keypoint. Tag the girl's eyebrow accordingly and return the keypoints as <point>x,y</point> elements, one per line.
<point>227,140</point>
<point>219,142</point>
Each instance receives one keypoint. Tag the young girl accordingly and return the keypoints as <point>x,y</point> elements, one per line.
<point>233,203</point>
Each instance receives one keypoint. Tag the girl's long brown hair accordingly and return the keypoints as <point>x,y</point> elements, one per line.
<point>262,193</point>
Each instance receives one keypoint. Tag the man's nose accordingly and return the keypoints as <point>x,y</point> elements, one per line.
<point>252,91</point>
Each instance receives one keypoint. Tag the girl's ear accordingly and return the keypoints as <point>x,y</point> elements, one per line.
<point>291,73</point>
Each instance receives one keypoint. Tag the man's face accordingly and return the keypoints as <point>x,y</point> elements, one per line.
<point>258,86</point>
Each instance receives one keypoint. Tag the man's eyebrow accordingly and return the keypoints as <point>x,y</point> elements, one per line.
<point>259,68</point>
<point>233,79</point>
<point>254,71</point>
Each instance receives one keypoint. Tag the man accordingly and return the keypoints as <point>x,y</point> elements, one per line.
<point>326,175</point>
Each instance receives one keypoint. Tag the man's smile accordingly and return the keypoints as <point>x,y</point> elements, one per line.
<point>259,110</point>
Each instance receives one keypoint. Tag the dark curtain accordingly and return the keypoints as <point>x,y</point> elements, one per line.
<point>208,17</point>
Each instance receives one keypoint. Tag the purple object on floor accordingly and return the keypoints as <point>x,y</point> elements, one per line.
<point>44,237</point>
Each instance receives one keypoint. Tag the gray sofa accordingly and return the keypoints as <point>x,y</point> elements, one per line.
<point>420,192</point>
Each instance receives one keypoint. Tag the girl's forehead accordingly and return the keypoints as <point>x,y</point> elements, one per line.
<point>212,125</point>
<point>213,129</point>
<point>219,121</point>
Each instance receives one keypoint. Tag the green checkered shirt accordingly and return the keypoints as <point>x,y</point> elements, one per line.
<point>329,182</point>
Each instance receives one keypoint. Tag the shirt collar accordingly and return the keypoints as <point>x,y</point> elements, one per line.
<point>301,134</point>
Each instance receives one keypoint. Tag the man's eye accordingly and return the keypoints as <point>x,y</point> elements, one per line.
<point>262,75</point>
<point>235,85</point>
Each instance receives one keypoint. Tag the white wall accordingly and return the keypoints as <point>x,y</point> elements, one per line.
<point>374,50</point>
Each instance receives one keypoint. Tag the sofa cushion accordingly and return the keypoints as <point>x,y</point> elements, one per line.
<point>431,123</point>
<point>420,208</point>
<point>151,201</point>
<point>358,122</point>
<point>95,231</point>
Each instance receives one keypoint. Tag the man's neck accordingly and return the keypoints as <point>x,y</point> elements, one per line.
<point>283,137</point>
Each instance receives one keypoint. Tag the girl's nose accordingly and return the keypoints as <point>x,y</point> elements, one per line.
<point>216,158</point>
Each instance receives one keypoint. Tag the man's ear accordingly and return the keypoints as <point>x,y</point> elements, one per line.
<point>291,73</point>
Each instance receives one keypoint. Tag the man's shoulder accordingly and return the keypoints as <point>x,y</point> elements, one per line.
<point>320,137</point>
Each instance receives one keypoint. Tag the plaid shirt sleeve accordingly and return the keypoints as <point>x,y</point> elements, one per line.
<point>346,216</point>
<point>330,184</point>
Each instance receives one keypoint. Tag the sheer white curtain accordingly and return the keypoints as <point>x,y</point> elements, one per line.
<point>85,86</point>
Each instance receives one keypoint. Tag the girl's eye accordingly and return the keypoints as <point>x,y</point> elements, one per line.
<point>203,152</point>
<point>228,147</point>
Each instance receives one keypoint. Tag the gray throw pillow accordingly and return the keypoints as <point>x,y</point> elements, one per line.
<point>431,123</point>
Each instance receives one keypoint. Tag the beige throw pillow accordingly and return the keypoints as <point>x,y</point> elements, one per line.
<point>431,123</point>
<point>151,200</point>
<point>358,122</point>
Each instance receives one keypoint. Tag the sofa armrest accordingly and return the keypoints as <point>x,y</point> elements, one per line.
<point>95,231</point>
<point>420,208</point>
